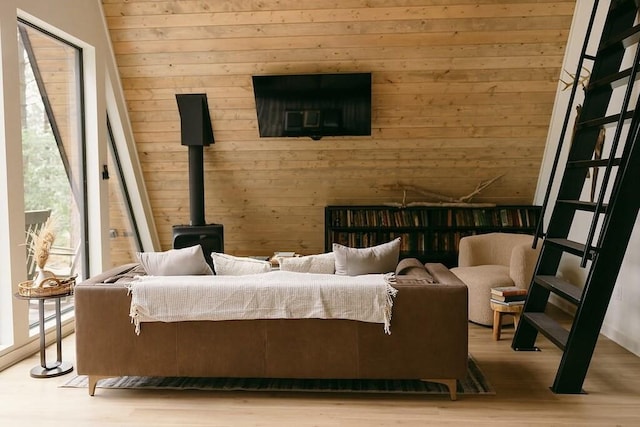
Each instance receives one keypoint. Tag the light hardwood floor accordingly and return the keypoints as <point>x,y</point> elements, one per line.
<point>521,381</point>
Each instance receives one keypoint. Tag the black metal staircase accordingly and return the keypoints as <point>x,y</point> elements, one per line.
<point>613,212</point>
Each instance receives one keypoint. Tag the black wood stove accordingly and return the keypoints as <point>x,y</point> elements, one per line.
<point>196,133</point>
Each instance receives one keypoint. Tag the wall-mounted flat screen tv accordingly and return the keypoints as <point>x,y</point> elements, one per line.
<point>313,105</point>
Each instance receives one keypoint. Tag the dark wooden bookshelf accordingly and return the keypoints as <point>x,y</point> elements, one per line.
<point>429,233</point>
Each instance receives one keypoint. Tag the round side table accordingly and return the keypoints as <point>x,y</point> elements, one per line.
<point>499,310</point>
<point>48,370</point>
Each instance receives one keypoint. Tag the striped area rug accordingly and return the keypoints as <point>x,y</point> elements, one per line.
<point>474,383</point>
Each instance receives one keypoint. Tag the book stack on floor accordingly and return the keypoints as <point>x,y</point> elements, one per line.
<point>508,295</point>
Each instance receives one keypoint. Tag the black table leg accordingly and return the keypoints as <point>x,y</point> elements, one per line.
<point>59,367</point>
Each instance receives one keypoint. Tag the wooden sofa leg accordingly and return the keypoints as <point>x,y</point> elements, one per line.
<point>450,383</point>
<point>93,382</point>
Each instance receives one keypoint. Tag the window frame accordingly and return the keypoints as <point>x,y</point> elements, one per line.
<point>82,130</point>
<point>79,123</point>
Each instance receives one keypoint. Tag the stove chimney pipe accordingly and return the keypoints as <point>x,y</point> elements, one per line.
<point>196,132</point>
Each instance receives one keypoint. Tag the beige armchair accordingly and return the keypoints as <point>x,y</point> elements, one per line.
<point>486,261</point>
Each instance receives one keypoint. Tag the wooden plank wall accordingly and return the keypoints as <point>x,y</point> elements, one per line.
<point>462,92</point>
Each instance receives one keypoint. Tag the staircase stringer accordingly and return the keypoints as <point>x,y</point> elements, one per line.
<point>618,215</point>
<point>604,270</point>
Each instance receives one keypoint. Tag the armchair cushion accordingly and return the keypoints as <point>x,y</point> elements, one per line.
<point>523,263</point>
<point>479,280</point>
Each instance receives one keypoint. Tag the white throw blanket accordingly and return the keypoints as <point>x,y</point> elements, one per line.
<point>272,295</point>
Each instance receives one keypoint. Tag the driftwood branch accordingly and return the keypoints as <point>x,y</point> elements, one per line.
<point>437,198</point>
<point>414,189</point>
<point>481,186</point>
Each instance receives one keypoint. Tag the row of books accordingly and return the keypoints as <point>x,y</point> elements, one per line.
<point>363,240</point>
<point>379,218</point>
<point>512,217</point>
<point>503,217</point>
<point>414,242</point>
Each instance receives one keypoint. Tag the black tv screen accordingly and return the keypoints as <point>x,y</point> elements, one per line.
<point>313,105</point>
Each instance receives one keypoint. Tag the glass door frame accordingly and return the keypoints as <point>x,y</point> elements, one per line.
<point>82,134</point>
<point>78,186</point>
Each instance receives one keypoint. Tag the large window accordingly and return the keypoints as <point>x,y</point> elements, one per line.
<point>53,149</point>
<point>124,235</point>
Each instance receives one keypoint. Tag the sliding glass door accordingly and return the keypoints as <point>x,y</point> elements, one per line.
<point>53,149</point>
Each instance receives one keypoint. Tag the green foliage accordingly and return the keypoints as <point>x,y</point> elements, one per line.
<point>46,185</point>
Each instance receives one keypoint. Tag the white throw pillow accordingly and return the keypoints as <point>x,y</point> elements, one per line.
<point>175,262</point>
<point>319,264</point>
<point>377,259</point>
<point>229,265</point>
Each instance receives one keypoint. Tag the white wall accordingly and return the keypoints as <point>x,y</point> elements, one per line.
<point>622,322</point>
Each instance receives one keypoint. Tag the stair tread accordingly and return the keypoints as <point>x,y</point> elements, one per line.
<point>560,287</point>
<point>548,327</point>
<point>570,246</point>
<point>584,206</point>
<point>593,163</point>
<point>626,37</point>
<point>601,121</point>
<point>611,79</point>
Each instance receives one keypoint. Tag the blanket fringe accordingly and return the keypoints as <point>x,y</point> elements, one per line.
<point>135,319</point>
<point>389,278</point>
<point>133,311</point>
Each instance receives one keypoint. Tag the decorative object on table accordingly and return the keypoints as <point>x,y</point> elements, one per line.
<point>508,291</point>
<point>45,283</point>
<point>284,254</point>
<point>508,295</point>
<point>275,260</point>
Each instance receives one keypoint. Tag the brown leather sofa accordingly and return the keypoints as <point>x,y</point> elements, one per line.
<point>428,338</point>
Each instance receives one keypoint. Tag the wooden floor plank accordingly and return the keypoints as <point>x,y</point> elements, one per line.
<point>521,381</point>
